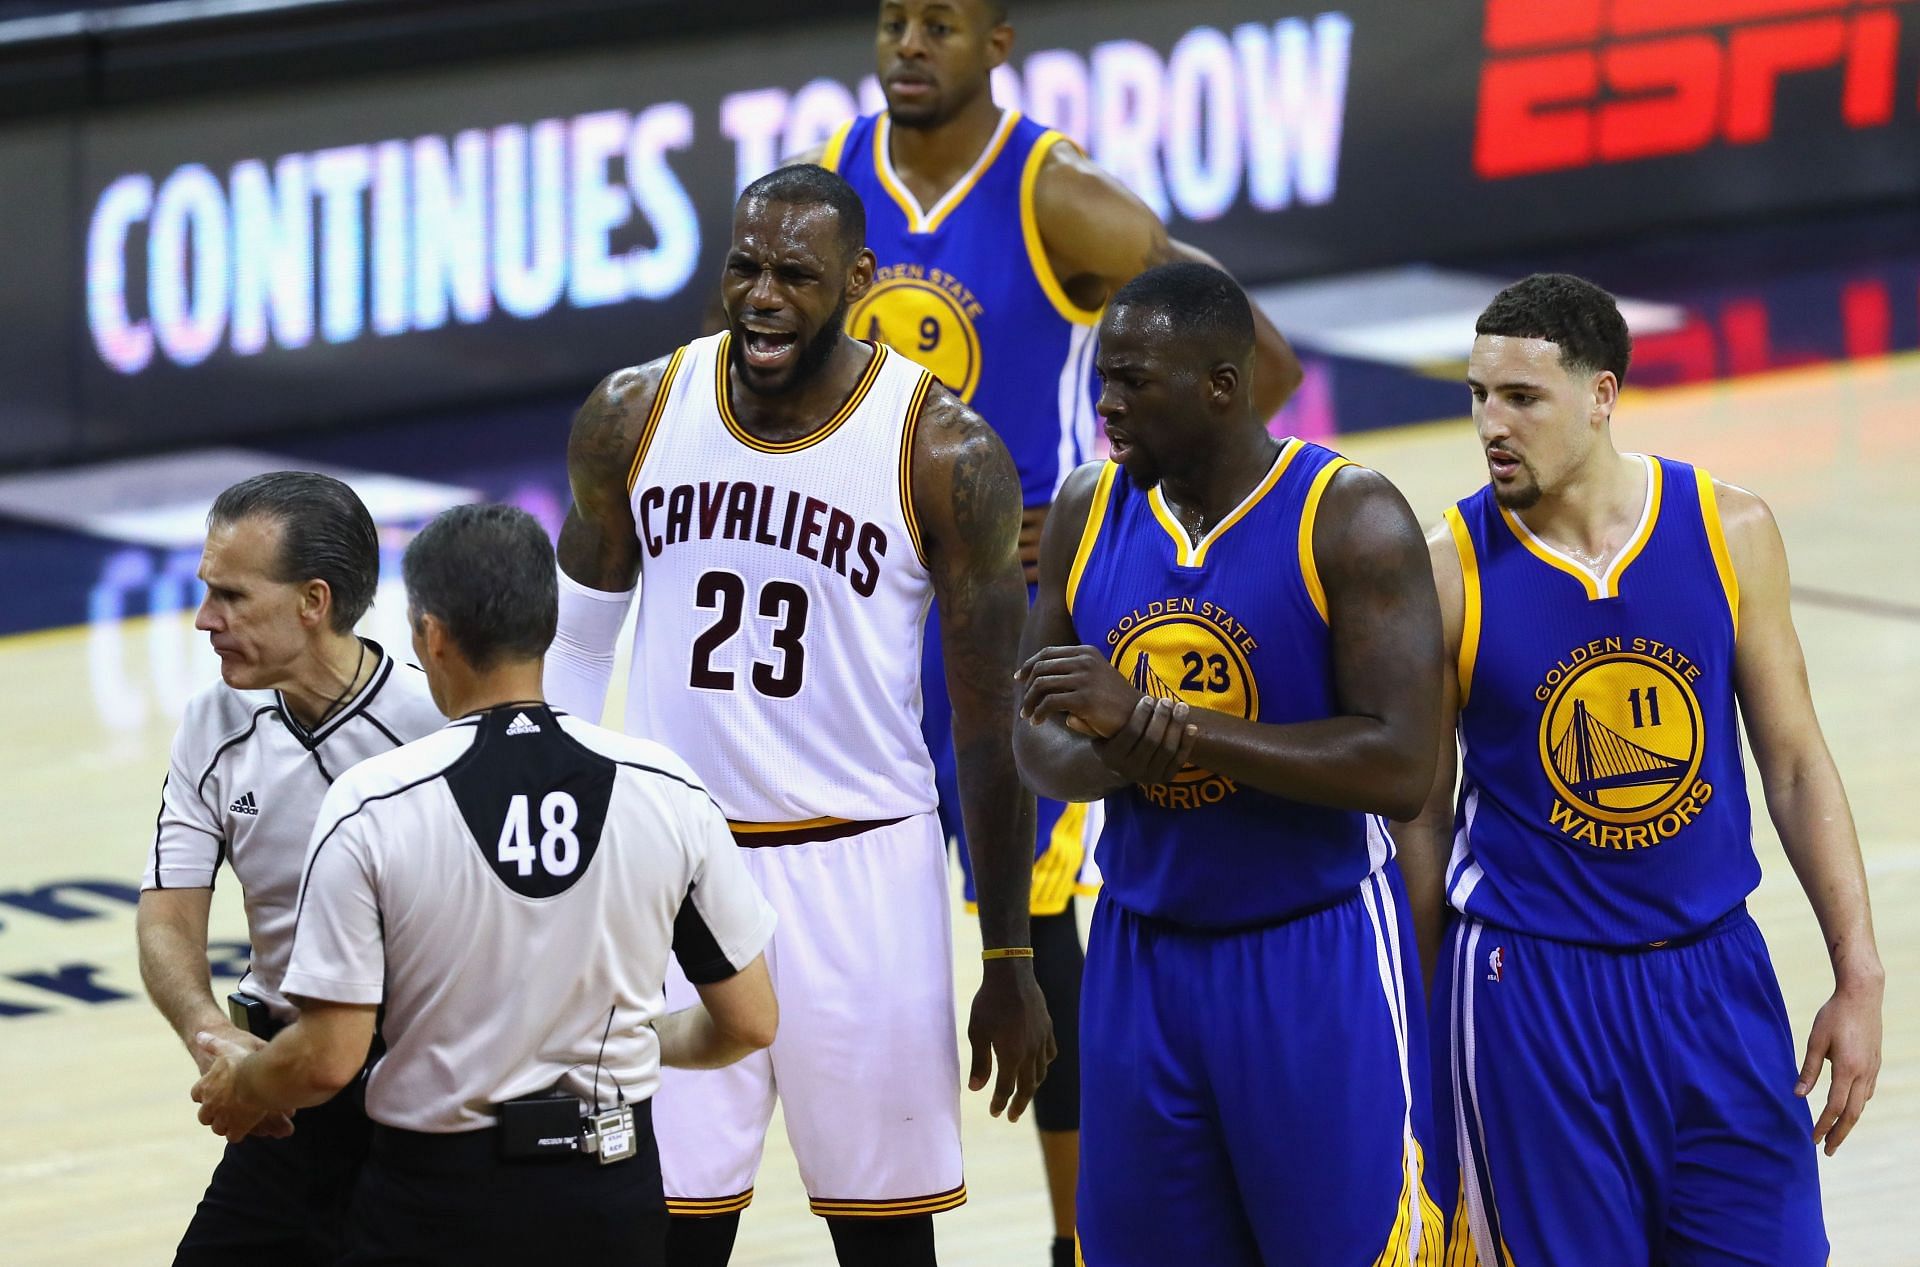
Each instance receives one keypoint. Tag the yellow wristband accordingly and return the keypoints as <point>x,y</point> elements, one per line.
<point>1008,952</point>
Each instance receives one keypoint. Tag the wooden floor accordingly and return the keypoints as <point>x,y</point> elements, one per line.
<point>101,1161</point>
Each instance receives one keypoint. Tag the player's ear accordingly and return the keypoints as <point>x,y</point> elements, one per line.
<point>999,45</point>
<point>1223,384</point>
<point>1606,390</point>
<point>860,276</point>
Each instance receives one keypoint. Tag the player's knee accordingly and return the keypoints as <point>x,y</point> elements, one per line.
<point>902,1242</point>
<point>701,1242</point>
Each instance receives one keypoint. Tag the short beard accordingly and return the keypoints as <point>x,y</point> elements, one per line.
<point>812,357</point>
<point>1519,497</point>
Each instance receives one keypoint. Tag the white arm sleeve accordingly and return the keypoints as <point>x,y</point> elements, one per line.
<point>580,662</point>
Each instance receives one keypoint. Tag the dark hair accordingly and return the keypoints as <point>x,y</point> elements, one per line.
<point>809,185</point>
<point>326,534</point>
<point>487,574</point>
<point>1568,311</point>
<point>1200,301</point>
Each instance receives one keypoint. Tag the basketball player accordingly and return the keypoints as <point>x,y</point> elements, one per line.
<point>1603,999</point>
<point>1234,645</point>
<point>503,894</point>
<point>291,563</point>
<point>795,498</point>
<point>997,243</point>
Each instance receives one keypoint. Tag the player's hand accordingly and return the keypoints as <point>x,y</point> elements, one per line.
<point>1010,1023</point>
<point>1032,520</point>
<point>1846,1034</point>
<point>221,1107</point>
<point>1078,684</point>
<point>1154,745</point>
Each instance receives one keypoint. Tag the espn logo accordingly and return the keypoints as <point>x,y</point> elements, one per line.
<point>1573,83</point>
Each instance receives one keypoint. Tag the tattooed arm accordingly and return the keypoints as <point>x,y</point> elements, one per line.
<point>599,553</point>
<point>966,495</point>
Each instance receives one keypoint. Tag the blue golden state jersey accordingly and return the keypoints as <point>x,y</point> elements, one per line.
<point>1235,622</point>
<point>1603,797</point>
<point>964,288</point>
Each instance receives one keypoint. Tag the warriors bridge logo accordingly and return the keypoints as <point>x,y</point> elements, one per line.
<point>1192,650</point>
<point>1621,737</point>
<point>928,315</point>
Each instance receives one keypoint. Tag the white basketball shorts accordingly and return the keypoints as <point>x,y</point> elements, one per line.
<point>866,1064</point>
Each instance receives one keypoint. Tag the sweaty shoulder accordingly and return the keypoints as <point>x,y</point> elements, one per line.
<point>1759,556</point>
<point>606,430</point>
<point>1449,581</point>
<point>1075,497</point>
<point>1091,224</point>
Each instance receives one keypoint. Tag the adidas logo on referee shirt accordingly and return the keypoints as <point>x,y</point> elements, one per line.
<point>244,805</point>
<point>521,726</point>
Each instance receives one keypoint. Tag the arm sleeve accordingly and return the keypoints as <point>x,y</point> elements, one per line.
<point>580,661</point>
<point>189,837</point>
<point>339,955</point>
<point>724,921</point>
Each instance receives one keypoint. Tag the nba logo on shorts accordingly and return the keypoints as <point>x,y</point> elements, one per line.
<point>1496,962</point>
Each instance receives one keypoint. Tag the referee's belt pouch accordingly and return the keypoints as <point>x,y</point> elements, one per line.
<point>539,1127</point>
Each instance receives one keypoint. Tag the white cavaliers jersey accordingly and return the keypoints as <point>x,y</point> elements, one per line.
<point>777,648</point>
<point>245,784</point>
<point>510,888</point>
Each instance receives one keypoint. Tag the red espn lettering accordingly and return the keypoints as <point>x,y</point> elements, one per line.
<point>1554,107</point>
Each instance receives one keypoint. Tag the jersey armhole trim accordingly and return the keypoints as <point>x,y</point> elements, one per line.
<point>1717,542</point>
<point>1090,531</point>
<point>1310,570</point>
<point>1030,232</point>
<point>907,433</point>
<point>836,145</point>
<point>1470,593</point>
<point>654,414</point>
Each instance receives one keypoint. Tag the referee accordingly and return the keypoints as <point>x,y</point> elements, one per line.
<point>507,890</point>
<point>291,563</point>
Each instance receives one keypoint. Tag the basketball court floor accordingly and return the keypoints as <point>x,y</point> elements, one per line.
<point>1804,386</point>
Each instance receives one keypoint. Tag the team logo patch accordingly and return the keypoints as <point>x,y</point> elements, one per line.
<point>1621,739</point>
<point>1195,652</point>
<point>1496,963</point>
<point>927,316</point>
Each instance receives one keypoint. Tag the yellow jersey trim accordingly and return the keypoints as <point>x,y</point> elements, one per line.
<point>1030,232</point>
<point>654,412</point>
<point>937,1203</point>
<point>919,221</point>
<point>1470,592</point>
<point>830,153</point>
<point>1717,542</point>
<point>740,433</point>
<point>1090,533</point>
<point>706,1207</point>
<point>801,825</point>
<point>1056,873</point>
<point>1190,554</point>
<point>906,464</point>
<point>1309,512</point>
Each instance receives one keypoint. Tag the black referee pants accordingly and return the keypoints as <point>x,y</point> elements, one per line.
<point>449,1201</point>
<point>283,1201</point>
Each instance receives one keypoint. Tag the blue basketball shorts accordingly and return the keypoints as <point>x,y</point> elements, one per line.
<point>1256,1096</point>
<point>1623,1108</point>
<point>1063,843</point>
